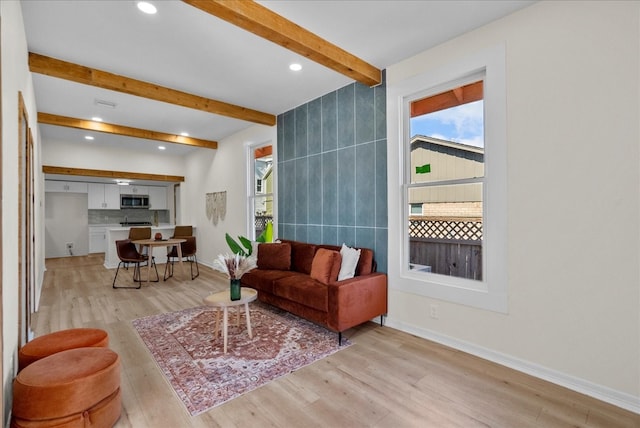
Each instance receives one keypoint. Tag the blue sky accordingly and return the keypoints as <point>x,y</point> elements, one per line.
<point>462,124</point>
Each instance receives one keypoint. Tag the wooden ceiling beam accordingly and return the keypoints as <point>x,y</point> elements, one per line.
<point>47,169</point>
<point>455,97</point>
<point>267,24</point>
<point>90,76</point>
<point>110,128</point>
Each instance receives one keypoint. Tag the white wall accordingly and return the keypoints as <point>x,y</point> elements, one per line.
<point>66,220</point>
<point>218,171</point>
<point>60,153</point>
<point>573,200</point>
<point>15,78</point>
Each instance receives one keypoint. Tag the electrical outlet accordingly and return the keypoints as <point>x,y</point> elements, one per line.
<point>69,245</point>
<point>433,311</point>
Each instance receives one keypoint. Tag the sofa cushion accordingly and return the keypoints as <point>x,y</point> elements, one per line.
<point>366,264</point>
<point>325,266</point>
<point>303,289</point>
<point>262,279</point>
<point>274,256</point>
<point>302,256</point>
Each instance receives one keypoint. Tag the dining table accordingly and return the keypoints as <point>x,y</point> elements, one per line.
<point>152,243</point>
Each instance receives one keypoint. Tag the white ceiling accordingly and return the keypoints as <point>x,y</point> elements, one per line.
<point>184,48</point>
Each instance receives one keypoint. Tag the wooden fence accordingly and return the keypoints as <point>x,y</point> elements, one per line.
<point>448,246</point>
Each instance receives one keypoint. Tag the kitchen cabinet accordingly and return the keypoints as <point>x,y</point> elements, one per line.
<point>97,239</point>
<point>157,198</point>
<point>134,190</point>
<point>65,186</point>
<point>103,196</point>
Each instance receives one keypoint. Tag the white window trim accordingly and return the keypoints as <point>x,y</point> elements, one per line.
<point>491,292</point>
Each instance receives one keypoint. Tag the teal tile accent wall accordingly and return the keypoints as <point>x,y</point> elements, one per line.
<point>332,170</point>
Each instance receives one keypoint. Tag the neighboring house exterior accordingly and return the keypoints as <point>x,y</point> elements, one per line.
<point>445,160</point>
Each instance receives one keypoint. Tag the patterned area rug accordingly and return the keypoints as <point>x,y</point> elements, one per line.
<point>184,346</point>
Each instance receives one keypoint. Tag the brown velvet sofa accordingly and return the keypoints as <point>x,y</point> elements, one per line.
<point>301,278</point>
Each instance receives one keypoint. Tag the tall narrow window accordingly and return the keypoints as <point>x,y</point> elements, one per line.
<point>446,178</point>
<point>261,197</point>
<point>447,157</point>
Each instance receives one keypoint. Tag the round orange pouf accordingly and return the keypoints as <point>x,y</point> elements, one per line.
<point>58,341</point>
<point>74,388</point>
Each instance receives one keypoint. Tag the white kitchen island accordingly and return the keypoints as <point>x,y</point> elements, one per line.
<point>114,234</point>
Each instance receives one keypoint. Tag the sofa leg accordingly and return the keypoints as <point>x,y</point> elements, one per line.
<point>381,320</point>
<point>339,338</point>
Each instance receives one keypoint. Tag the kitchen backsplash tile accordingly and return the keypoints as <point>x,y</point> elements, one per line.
<point>133,215</point>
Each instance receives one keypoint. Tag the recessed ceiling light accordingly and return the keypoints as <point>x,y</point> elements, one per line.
<point>184,134</point>
<point>147,7</point>
<point>88,137</point>
<point>295,67</point>
<point>161,148</point>
<point>96,119</point>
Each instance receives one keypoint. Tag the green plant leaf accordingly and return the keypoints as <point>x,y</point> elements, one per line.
<point>267,234</point>
<point>247,245</point>
<point>233,245</point>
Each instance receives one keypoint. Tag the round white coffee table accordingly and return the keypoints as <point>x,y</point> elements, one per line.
<point>222,300</point>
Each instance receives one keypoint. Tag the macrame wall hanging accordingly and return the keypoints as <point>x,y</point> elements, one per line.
<point>216,206</point>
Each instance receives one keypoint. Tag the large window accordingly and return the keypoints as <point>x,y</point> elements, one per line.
<point>447,158</point>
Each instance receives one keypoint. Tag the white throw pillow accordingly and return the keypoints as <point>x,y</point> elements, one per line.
<point>350,257</point>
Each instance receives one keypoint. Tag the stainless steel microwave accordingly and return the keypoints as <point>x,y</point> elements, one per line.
<point>134,201</point>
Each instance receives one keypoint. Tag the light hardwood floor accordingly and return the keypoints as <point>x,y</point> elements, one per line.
<point>386,379</point>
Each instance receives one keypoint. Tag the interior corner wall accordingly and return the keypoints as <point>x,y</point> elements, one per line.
<point>573,180</point>
<point>332,170</point>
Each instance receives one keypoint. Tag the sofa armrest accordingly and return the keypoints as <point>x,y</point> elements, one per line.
<point>356,300</point>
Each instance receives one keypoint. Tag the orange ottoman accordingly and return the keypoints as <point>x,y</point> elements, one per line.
<point>77,388</point>
<point>63,340</point>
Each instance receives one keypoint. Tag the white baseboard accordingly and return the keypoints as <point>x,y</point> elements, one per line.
<point>603,393</point>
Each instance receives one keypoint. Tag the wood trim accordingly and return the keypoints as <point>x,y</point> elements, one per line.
<point>110,128</point>
<point>2,371</point>
<point>267,24</point>
<point>263,151</point>
<point>452,98</point>
<point>47,169</point>
<point>89,76</point>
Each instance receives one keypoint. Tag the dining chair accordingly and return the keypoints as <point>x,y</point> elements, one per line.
<point>136,233</point>
<point>128,254</point>
<point>182,231</point>
<point>189,250</point>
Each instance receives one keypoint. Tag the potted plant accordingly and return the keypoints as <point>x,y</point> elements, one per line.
<point>234,266</point>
